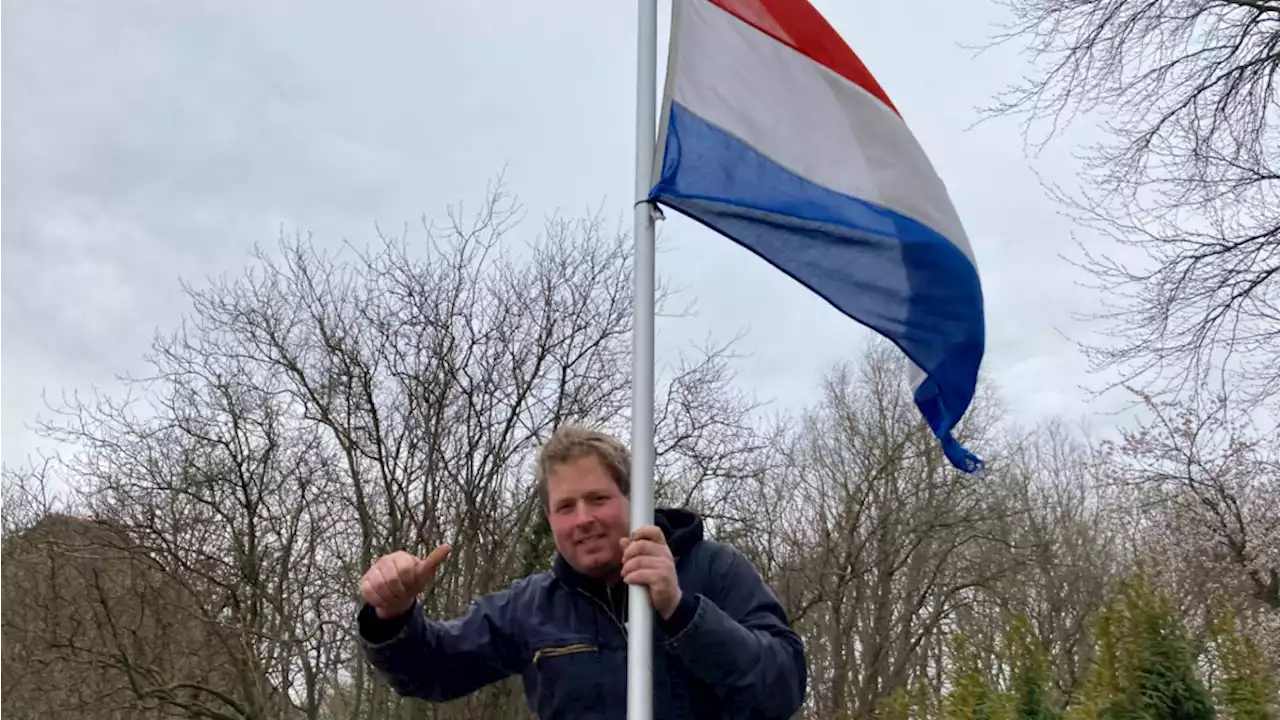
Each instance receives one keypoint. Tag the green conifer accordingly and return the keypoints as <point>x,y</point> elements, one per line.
<point>1245,688</point>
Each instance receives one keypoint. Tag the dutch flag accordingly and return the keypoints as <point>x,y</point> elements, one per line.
<point>774,134</point>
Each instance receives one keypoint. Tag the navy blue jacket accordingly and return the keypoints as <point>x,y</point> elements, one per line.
<point>727,651</point>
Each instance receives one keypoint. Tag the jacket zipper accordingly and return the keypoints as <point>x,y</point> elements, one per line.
<point>607,611</point>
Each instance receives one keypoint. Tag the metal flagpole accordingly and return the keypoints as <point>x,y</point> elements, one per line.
<point>639,609</point>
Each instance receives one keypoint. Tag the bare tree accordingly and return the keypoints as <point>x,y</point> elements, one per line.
<point>231,499</point>
<point>1200,487</point>
<point>28,495</point>
<point>1070,544</point>
<point>94,628</point>
<point>1188,185</point>
<point>881,543</point>
<point>326,408</point>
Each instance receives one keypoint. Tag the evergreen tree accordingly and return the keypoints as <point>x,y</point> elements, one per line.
<point>539,551</point>
<point>1028,673</point>
<point>1086,703</point>
<point>972,696</point>
<point>897,706</point>
<point>1245,688</point>
<point>1144,668</point>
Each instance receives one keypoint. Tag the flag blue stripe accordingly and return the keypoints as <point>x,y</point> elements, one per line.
<point>889,272</point>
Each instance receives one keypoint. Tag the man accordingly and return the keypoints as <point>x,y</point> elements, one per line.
<point>722,644</point>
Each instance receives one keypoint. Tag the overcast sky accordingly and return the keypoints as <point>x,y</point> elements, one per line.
<point>147,141</point>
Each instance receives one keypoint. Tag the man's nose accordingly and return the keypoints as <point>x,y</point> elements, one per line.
<point>582,515</point>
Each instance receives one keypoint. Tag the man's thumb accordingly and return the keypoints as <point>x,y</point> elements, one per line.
<point>427,566</point>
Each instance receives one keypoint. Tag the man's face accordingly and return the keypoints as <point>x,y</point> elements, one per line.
<point>588,515</point>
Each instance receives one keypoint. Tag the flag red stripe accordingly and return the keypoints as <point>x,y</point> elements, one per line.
<point>798,24</point>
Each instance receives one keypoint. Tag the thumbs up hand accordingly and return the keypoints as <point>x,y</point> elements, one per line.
<point>396,580</point>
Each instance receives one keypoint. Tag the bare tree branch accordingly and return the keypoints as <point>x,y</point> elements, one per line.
<point>1188,186</point>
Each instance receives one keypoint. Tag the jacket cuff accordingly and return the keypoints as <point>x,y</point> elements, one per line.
<point>375,630</point>
<point>684,613</point>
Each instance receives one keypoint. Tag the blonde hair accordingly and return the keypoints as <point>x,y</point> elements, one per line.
<point>572,442</point>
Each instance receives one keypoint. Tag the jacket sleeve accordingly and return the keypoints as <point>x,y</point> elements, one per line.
<point>741,644</point>
<point>441,661</point>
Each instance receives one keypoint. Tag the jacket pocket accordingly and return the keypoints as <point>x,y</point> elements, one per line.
<point>545,653</point>
<point>567,678</point>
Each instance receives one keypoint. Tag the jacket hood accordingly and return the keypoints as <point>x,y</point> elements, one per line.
<point>683,528</point>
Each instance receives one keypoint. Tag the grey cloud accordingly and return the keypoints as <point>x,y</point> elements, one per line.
<point>147,141</point>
